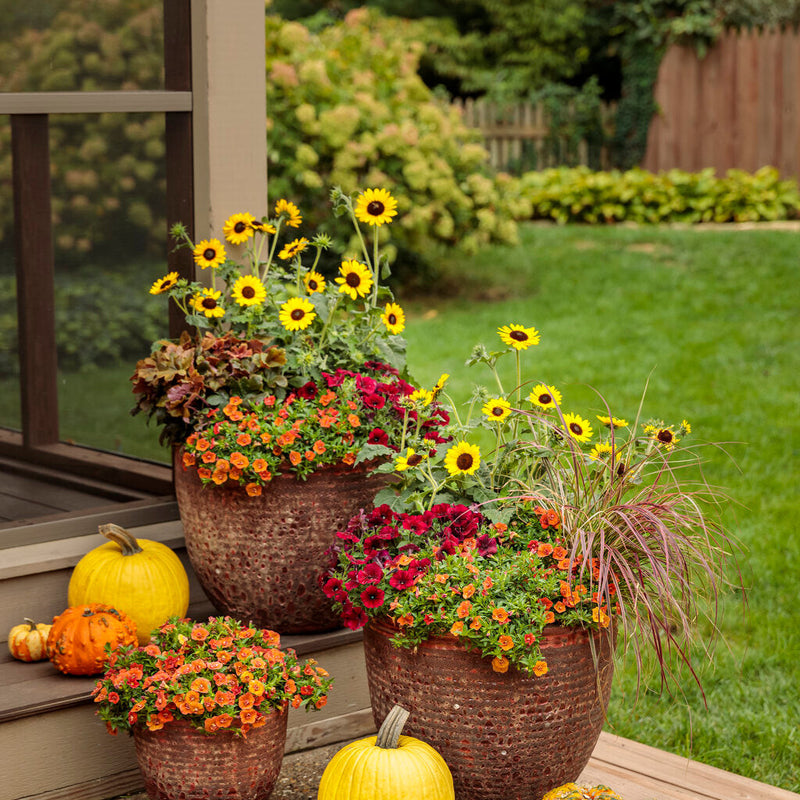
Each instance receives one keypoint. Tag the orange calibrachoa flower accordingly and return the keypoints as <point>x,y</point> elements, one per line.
<point>193,671</point>
<point>500,664</point>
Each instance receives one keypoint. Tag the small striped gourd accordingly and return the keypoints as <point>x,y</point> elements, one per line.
<point>27,642</point>
<point>387,767</point>
<point>571,791</point>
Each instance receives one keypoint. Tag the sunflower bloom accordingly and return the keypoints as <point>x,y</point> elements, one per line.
<point>238,228</point>
<point>615,422</point>
<point>518,336</point>
<point>443,378</point>
<point>375,207</point>
<point>206,303</point>
<point>290,212</point>
<point>249,291</point>
<point>209,253</point>
<point>293,248</point>
<point>164,284</point>
<point>545,396</point>
<point>296,314</point>
<point>354,279</point>
<point>666,437</point>
<point>497,409</point>
<point>578,427</point>
<point>393,318</point>
<point>600,451</point>
<point>314,282</point>
<point>462,459</point>
<point>409,460</point>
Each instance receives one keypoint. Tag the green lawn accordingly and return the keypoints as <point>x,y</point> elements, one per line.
<point>711,319</point>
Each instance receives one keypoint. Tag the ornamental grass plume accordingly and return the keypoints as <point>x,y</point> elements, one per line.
<point>270,322</point>
<point>624,504</point>
<point>219,675</point>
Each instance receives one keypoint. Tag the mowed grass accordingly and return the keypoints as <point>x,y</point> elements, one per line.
<point>712,320</point>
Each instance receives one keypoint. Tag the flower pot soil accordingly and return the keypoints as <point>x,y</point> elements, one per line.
<point>510,733</point>
<point>259,558</point>
<point>180,762</point>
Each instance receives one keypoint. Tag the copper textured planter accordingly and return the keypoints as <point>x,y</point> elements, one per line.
<point>182,763</point>
<point>259,558</point>
<point>502,735</point>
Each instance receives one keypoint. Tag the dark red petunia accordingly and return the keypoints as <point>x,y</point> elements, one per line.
<point>372,597</point>
<point>378,436</point>
<point>402,579</point>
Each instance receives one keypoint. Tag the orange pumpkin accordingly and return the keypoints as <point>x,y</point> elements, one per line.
<point>77,640</point>
<point>28,642</point>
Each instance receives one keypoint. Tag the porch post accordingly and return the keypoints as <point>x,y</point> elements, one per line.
<point>230,112</point>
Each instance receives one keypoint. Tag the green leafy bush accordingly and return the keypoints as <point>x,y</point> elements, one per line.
<point>580,195</point>
<point>347,108</point>
<point>93,328</point>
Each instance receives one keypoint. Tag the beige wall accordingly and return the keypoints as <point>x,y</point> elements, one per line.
<point>230,111</point>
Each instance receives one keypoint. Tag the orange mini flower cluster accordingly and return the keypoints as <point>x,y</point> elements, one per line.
<point>219,675</point>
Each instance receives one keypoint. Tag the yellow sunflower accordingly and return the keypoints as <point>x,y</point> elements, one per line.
<point>664,436</point>
<point>293,248</point>
<point>209,253</point>
<point>578,427</point>
<point>263,227</point>
<point>462,459</point>
<point>296,314</point>
<point>420,397</point>
<point>238,228</point>
<point>518,336</point>
<point>497,409</point>
<point>443,378</point>
<point>314,282</point>
<point>164,284</point>
<point>393,318</point>
<point>600,451</point>
<point>686,428</point>
<point>249,291</point>
<point>205,302</point>
<point>409,460</point>
<point>355,279</point>
<point>617,422</point>
<point>375,207</point>
<point>290,212</point>
<point>545,396</point>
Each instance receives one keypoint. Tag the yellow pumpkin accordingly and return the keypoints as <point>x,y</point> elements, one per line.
<point>28,642</point>
<point>142,578</point>
<point>571,791</point>
<point>388,766</point>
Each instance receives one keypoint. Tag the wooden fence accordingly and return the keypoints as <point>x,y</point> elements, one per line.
<point>737,107</point>
<point>516,136</point>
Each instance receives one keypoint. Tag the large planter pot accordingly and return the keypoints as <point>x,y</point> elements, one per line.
<point>181,763</point>
<point>509,735</point>
<point>259,558</point>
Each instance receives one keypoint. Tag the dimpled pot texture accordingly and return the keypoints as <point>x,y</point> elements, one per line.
<point>260,558</point>
<point>512,732</point>
<point>181,763</point>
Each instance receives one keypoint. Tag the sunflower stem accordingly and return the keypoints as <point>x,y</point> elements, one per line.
<point>271,255</point>
<point>375,269</point>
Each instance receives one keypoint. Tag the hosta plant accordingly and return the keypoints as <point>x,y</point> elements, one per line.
<point>219,674</point>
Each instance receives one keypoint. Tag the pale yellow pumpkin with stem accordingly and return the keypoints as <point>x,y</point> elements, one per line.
<point>388,766</point>
<point>142,578</point>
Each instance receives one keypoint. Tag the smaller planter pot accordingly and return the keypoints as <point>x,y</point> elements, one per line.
<point>181,763</point>
<point>502,735</point>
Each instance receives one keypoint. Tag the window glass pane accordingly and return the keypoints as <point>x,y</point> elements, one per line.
<point>81,45</point>
<point>109,237</point>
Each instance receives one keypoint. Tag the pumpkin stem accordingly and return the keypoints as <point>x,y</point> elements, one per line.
<point>30,622</point>
<point>389,733</point>
<point>126,541</point>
